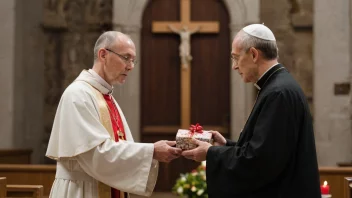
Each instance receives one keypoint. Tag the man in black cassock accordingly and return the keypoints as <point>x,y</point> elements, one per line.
<point>275,155</point>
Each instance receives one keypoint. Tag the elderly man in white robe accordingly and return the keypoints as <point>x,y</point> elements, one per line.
<point>91,141</point>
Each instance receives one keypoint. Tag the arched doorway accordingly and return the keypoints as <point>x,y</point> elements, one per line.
<point>160,78</point>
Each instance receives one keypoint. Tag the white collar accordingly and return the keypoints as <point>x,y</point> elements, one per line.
<point>96,81</point>
<point>101,80</point>
<point>255,84</point>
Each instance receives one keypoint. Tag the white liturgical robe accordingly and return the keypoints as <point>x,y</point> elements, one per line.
<point>87,155</point>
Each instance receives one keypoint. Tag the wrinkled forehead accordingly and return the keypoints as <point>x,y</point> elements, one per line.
<point>126,46</point>
<point>236,45</point>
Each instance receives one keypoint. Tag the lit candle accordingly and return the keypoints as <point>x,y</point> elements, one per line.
<point>325,188</point>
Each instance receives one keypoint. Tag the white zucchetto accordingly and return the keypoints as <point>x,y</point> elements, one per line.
<point>259,31</point>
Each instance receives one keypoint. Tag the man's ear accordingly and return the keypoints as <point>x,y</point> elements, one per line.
<point>254,53</point>
<point>102,54</point>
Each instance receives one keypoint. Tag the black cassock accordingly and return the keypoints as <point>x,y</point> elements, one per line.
<point>275,156</point>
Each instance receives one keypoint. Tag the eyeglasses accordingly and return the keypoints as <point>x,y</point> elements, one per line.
<point>236,57</point>
<point>126,59</point>
<point>234,60</point>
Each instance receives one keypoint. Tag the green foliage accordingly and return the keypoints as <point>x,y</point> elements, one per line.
<point>193,184</point>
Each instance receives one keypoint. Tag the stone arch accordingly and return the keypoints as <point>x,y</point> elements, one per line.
<point>127,17</point>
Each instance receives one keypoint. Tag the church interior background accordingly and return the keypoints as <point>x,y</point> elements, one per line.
<point>47,43</point>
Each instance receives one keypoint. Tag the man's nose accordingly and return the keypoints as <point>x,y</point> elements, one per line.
<point>234,67</point>
<point>130,66</point>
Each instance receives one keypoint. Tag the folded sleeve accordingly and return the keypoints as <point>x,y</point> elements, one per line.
<point>126,166</point>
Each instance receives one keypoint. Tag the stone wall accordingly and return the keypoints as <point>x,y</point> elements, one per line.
<point>70,31</point>
<point>291,22</point>
<point>325,80</point>
<point>332,77</point>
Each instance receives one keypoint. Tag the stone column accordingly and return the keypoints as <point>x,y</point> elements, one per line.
<point>242,95</point>
<point>127,18</point>
<point>128,95</point>
<point>332,69</point>
<point>7,57</point>
<point>28,78</point>
<point>21,101</point>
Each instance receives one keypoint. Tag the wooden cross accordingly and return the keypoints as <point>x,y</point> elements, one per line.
<point>191,27</point>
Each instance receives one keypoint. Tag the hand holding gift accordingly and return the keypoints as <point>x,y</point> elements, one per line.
<point>165,152</point>
<point>198,154</point>
<point>219,140</point>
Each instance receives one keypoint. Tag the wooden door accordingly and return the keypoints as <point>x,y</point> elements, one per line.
<point>160,78</point>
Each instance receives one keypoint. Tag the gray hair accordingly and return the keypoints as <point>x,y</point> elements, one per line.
<point>268,48</point>
<point>106,40</point>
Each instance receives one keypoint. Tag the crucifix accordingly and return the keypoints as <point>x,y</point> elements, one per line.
<point>185,28</point>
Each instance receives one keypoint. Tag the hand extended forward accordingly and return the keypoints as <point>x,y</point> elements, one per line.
<point>219,140</point>
<point>164,152</point>
<point>200,152</point>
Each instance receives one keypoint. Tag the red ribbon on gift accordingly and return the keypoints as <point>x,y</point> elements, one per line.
<point>195,129</point>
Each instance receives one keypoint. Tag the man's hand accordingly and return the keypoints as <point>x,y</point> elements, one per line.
<point>164,152</point>
<point>198,154</point>
<point>219,140</point>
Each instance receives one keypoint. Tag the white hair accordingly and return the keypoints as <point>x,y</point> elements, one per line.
<point>106,40</point>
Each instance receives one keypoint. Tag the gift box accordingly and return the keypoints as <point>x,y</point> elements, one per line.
<point>184,137</point>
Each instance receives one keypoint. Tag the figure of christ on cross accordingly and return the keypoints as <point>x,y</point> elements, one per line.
<point>185,28</point>
<point>185,46</point>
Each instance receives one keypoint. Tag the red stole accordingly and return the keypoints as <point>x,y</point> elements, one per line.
<point>119,131</point>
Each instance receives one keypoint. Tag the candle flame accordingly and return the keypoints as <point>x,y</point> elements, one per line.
<point>325,183</point>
